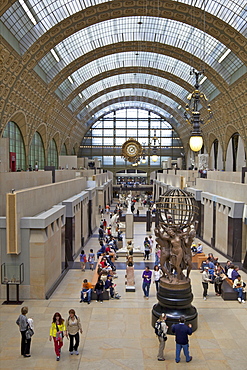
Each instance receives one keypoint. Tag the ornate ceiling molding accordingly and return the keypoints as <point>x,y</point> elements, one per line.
<point>158,48</point>
<point>117,9</point>
<point>127,86</point>
<point>117,71</point>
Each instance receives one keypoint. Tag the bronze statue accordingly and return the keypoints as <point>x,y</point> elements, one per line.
<point>175,250</point>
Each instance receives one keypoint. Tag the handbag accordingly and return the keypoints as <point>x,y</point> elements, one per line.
<point>59,335</point>
<point>29,332</point>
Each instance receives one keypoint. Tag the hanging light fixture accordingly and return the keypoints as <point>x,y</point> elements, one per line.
<point>193,115</point>
<point>143,160</point>
<point>197,98</point>
<point>154,156</point>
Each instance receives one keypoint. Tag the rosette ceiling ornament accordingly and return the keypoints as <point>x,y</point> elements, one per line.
<point>132,150</point>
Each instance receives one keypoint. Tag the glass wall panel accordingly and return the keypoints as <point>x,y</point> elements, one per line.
<point>52,158</point>
<point>120,132</point>
<point>107,160</point>
<point>63,150</point>
<point>37,152</point>
<point>16,144</point>
<point>137,123</point>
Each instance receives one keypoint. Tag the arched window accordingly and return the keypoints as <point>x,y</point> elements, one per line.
<point>235,139</point>
<point>63,150</point>
<point>52,159</point>
<point>37,152</point>
<point>216,146</point>
<point>231,153</point>
<point>16,144</point>
<point>105,138</point>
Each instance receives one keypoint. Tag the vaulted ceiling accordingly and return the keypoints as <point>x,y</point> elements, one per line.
<point>97,54</point>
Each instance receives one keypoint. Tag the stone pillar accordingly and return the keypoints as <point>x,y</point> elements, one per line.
<point>149,222</point>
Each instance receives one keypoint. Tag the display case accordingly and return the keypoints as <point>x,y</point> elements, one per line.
<point>12,274</point>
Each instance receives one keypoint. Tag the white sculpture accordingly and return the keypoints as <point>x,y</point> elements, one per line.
<point>129,201</point>
<point>114,221</point>
<point>203,161</point>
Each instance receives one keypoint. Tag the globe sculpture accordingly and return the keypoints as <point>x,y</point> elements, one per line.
<point>177,213</point>
<point>177,208</point>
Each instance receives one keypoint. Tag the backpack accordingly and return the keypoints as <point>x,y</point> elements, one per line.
<point>158,330</point>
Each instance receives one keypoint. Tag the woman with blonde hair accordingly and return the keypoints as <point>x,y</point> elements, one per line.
<point>57,333</point>
<point>161,330</point>
<point>23,326</point>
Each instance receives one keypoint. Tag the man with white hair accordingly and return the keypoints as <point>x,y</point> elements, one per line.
<point>205,280</point>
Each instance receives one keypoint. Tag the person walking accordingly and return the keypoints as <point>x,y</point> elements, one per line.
<point>73,327</point>
<point>161,330</point>
<point>146,248</point>
<point>205,280</point>
<point>83,260</point>
<point>23,324</point>
<point>57,332</point>
<point>157,276</point>
<point>146,275</point>
<point>91,259</point>
<point>157,254</point>
<point>181,332</point>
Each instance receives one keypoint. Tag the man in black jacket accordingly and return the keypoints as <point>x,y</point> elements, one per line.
<point>182,331</point>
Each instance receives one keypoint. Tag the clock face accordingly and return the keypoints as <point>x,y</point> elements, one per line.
<point>131,150</point>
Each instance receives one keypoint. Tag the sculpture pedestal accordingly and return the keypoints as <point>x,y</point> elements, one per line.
<point>129,226</point>
<point>175,300</point>
<point>130,279</point>
<point>123,252</point>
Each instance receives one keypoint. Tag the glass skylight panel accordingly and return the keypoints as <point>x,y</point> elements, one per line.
<point>128,104</point>
<point>231,12</point>
<point>171,32</point>
<point>136,93</point>
<point>48,13</point>
<point>130,79</point>
<point>113,61</point>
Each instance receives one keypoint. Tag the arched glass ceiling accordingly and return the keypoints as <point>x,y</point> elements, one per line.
<point>140,93</point>
<point>133,104</point>
<point>48,13</point>
<point>165,31</point>
<point>129,78</point>
<point>129,59</point>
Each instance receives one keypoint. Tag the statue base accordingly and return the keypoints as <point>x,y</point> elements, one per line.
<point>123,252</point>
<point>175,300</point>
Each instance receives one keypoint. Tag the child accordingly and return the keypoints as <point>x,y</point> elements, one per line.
<point>83,260</point>
<point>91,259</point>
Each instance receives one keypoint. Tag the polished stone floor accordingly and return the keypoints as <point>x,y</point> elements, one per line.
<point>118,334</point>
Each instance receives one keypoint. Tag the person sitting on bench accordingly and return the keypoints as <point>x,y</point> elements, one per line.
<point>111,286</point>
<point>86,292</point>
<point>101,250</point>
<point>235,273</point>
<point>238,286</point>
<point>199,248</point>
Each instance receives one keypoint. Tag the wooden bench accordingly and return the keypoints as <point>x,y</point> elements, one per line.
<point>106,295</point>
<point>198,258</point>
<point>227,292</point>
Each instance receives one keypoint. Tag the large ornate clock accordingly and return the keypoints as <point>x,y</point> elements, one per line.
<point>131,150</point>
